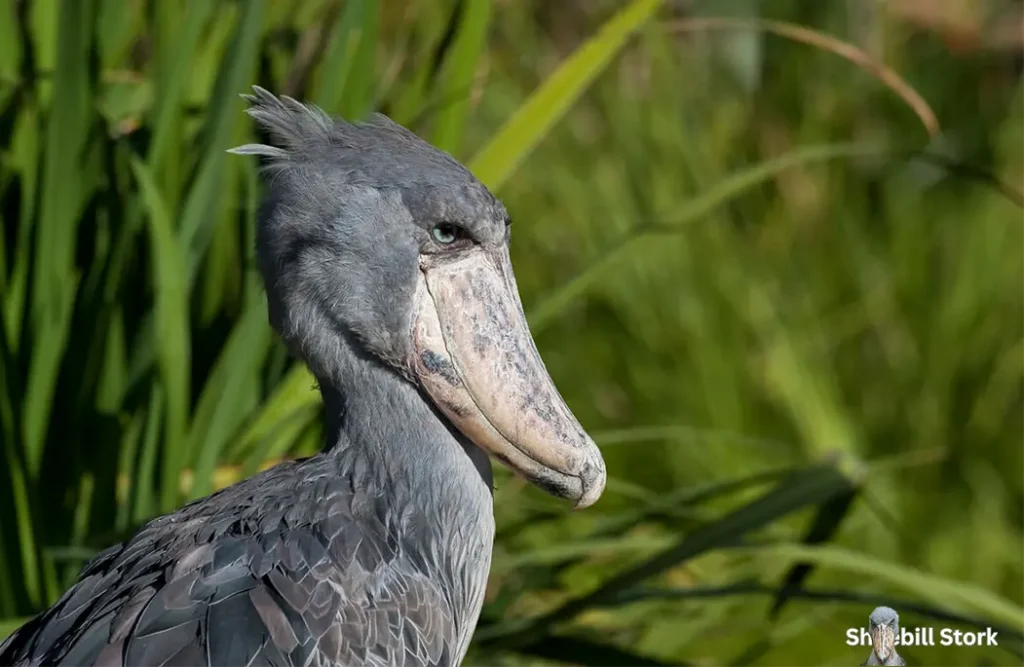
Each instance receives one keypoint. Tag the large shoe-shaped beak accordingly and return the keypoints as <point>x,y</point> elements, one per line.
<point>475,357</point>
<point>882,640</point>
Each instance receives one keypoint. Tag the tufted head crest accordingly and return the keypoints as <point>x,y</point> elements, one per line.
<point>376,152</point>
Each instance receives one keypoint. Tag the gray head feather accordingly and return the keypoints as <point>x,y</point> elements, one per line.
<point>348,212</point>
<point>377,152</point>
<point>884,616</point>
<point>295,125</point>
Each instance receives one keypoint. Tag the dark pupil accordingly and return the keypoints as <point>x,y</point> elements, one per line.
<point>445,233</point>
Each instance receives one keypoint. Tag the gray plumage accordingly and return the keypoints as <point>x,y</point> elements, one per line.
<point>884,619</point>
<point>374,552</point>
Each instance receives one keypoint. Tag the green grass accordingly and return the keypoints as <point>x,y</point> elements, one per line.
<point>792,318</point>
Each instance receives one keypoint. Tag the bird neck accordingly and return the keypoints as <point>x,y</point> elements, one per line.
<point>385,432</point>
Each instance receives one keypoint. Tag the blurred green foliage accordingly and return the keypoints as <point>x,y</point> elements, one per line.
<point>792,318</point>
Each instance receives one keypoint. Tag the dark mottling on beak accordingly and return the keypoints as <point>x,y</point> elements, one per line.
<point>455,409</point>
<point>553,485</point>
<point>438,365</point>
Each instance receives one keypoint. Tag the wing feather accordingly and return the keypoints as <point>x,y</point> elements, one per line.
<point>254,588</point>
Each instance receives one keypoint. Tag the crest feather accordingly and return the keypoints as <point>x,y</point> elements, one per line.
<point>292,125</point>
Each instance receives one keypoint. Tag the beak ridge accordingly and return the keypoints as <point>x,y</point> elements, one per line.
<point>882,640</point>
<point>475,357</point>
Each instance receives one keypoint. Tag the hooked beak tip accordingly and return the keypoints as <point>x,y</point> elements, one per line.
<point>592,480</point>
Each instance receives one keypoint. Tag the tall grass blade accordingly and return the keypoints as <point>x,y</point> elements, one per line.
<point>222,407</point>
<point>20,538</point>
<point>349,33</point>
<point>173,338</point>
<point>126,471</point>
<point>10,47</point>
<point>746,588</point>
<point>54,279</point>
<point>458,72</point>
<point>805,488</point>
<point>688,497</point>
<point>946,593</point>
<point>531,122</point>
<point>825,42</point>
<point>145,487</point>
<point>824,526</point>
<point>24,156</point>
<point>167,108</point>
<point>295,394</point>
<point>541,315</point>
<point>197,217</point>
<point>359,91</point>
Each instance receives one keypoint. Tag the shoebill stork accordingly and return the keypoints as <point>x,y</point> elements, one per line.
<point>387,271</point>
<point>884,625</point>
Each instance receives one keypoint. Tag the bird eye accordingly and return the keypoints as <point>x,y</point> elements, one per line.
<point>446,233</point>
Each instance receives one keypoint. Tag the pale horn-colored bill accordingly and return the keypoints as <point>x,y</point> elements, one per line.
<point>475,357</point>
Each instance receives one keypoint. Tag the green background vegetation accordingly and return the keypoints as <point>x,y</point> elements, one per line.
<point>785,301</point>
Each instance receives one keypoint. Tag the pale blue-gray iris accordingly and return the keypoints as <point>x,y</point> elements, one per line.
<point>387,271</point>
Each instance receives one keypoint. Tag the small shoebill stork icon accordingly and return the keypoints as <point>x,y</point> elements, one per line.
<point>884,624</point>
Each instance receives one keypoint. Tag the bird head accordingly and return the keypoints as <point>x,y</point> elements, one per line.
<point>884,625</point>
<point>373,239</point>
